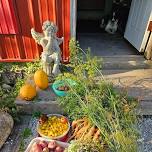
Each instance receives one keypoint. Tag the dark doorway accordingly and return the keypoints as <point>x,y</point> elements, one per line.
<point>89,33</point>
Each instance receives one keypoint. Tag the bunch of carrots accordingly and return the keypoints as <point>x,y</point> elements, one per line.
<point>82,128</point>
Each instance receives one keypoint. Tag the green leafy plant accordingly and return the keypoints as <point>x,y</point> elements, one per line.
<point>85,146</point>
<point>24,135</point>
<point>36,114</point>
<point>7,99</point>
<point>27,67</point>
<point>112,112</point>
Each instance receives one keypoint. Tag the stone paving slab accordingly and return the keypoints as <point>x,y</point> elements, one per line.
<point>45,102</point>
<point>137,83</point>
<point>126,62</point>
<point>13,142</point>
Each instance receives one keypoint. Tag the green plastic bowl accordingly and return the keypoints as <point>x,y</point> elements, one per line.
<point>59,83</point>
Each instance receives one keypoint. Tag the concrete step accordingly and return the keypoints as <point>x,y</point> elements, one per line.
<point>145,108</point>
<point>137,83</point>
<point>126,62</point>
<point>45,102</point>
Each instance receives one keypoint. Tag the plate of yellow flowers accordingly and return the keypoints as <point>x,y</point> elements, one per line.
<point>53,126</point>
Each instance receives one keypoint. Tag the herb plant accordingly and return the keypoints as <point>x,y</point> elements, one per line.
<point>112,112</point>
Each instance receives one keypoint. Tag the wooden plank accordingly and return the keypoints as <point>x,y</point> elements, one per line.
<point>150,26</point>
<point>0,29</point>
<point>27,47</point>
<point>2,44</point>
<point>66,28</point>
<point>59,21</point>
<point>5,47</point>
<point>9,47</point>
<point>3,20</point>
<point>44,9</point>
<point>23,14</point>
<point>34,48</point>
<point>15,47</point>
<point>148,51</point>
<point>23,7</point>
<point>36,15</point>
<point>10,17</point>
<point>52,10</point>
<point>1,52</point>
<point>20,46</point>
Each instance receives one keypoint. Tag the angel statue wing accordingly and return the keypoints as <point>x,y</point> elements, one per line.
<point>36,35</point>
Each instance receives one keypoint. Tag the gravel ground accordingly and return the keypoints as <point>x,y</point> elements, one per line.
<point>145,142</point>
<point>32,126</point>
<point>145,126</point>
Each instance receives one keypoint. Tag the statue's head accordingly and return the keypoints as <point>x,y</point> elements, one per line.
<point>49,28</point>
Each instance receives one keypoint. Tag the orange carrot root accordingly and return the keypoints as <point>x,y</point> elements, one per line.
<point>82,131</point>
<point>96,135</point>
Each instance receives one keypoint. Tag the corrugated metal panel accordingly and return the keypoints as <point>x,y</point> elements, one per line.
<point>8,21</point>
<point>32,13</point>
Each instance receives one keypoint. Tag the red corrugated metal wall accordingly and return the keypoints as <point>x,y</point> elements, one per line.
<point>7,15</point>
<point>32,13</point>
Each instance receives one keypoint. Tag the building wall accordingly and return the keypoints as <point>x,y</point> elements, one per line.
<point>32,13</point>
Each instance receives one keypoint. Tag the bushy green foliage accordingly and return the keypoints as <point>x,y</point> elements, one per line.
<point>26,67</point>
<point>85,146</point>
<point>112,112</point>
<point>7,99</point>
<point>24,135</point>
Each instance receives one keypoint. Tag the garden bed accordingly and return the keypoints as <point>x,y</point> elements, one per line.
<point>98,113</point>
<point>14,141</point>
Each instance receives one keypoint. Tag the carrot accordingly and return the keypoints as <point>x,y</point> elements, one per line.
<point>74,133</point>
<point>77,128</point>
<point>75,122</point>
<point>83,130</point>
<point>96,135</point>
<point>90,133</point>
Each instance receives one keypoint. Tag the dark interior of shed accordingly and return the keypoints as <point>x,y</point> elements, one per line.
<point>91,12</point>
<point>89,33</point>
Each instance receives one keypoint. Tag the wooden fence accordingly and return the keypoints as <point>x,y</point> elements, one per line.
<point>17,17</point>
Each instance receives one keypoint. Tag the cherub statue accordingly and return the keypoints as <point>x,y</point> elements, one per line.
<point>51,54</point>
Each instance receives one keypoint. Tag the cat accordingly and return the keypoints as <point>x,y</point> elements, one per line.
<point>110,25</point>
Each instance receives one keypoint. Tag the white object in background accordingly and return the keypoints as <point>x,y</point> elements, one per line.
<point>136,30</point>
<point>112,26</point>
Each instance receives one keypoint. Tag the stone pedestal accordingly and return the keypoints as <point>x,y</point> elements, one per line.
<point>45,102</point>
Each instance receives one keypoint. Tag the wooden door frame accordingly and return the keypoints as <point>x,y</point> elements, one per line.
<point>73,18</point>
<point>142,47</point>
